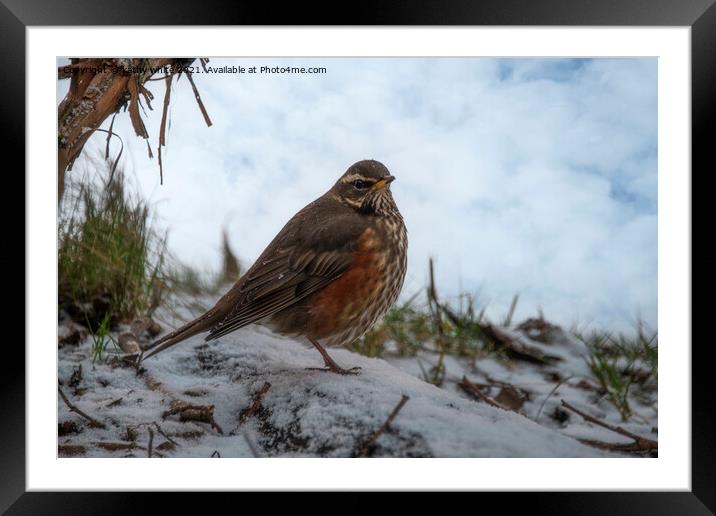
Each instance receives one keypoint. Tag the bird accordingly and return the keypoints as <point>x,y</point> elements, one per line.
<point>335,268</point>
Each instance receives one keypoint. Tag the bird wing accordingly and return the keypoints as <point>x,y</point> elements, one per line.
<point>301,260</point>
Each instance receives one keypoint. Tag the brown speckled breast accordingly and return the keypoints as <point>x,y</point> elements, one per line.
<point>349,306</point>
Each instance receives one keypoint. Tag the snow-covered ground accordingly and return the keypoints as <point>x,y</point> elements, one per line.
<point>315,413</point>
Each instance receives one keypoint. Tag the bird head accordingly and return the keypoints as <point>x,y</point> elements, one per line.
<point>365,187</point>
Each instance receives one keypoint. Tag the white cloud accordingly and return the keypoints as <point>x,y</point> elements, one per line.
<point>523,176</point>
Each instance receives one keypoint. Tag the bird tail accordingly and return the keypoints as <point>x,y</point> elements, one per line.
<point>202,323</point>
<point>198,325</point>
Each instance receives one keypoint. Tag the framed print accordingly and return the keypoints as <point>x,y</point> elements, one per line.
<point>425,249</point>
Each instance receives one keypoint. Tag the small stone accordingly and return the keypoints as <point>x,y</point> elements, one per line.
<point>511,398</point>
<point>154,329</point>
<point>67,427</point>
<point>128,343</point>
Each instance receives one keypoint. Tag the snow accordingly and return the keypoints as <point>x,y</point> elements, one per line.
<point>309,413</point>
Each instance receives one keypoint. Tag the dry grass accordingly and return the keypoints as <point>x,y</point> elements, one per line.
<point>110,258</point>
<point>113,264</point>
<point>623,366</point>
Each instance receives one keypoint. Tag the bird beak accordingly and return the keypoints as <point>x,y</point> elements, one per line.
<point>384,182</point>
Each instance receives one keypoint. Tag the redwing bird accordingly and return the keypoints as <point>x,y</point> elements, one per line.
<point>333,270</point>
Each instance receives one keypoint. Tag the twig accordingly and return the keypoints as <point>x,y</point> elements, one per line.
<point>471,388</point>
<point>365,449</point>
<point>151,440</point>
<point>433,300</point>
<point>161,432</point>
<point>148,96</point>
<point>189,434</point>
<point>92,421</point>
<point>550,395</point>
<point>134,116</point>
<point>110,133</point>
<point>71,449</point>
<point>641,443</point>
<point>621,447</point>
<point>439,370</point>
<point>163,125</point>
<point>117,446</point>
<point>425,374</point>
<point>216,454</point>
<point>255,405</point>
<point>514,347</point>
<point>189,412</point>
<point>198,99</point>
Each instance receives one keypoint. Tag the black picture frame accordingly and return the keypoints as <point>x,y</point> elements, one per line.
<point>700,15</point>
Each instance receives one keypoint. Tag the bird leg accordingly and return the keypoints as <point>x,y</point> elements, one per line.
<point>330,363</point>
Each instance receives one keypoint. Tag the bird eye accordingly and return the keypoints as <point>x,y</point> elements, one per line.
<point>361,184</point>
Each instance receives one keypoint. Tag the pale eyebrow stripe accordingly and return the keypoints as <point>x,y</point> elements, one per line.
<point>353,177</point>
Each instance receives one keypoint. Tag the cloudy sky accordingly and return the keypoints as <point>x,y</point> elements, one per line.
<point>529,176</point>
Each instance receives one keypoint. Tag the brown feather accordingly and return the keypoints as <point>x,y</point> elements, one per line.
<point>264,294</point>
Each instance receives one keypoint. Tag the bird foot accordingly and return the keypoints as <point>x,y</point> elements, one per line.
<point>336,369</point>
<point>330,363</point>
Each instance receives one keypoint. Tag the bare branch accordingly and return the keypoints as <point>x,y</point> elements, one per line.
<point>92,421</point>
